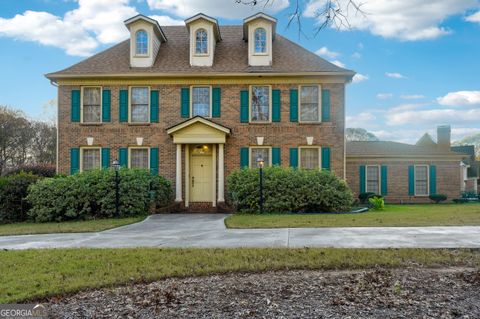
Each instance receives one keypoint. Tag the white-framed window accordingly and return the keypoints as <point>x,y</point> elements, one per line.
<point>260,103</point>
<point>201,41</point>
<point>139,104</point>
<point>260,35</point>
<point>90,158</point>
<point>310,157</point>
<point>263,152</point>
<point>309,102</point>
<point>372,179</point>
<point>201,101</point>
<point>141,42</point>
<point>139,157</point>
<point>91,104</point>
<point>421,180</point>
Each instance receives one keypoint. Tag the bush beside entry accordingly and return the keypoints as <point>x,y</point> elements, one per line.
<point>13,190</point>
<point>288,190</point>
<point>92,195</point>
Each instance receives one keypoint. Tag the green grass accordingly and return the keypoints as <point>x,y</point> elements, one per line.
<point>34,274</point>
<point>66,227</point>
<point>393,215</point>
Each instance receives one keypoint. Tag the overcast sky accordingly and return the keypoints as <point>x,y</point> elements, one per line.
<point>417,61</point>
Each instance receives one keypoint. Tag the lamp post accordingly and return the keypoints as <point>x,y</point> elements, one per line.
<point>260,163</point>
<point>116,166</point>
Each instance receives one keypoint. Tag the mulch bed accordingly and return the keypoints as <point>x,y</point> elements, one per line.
<point>377,293</point>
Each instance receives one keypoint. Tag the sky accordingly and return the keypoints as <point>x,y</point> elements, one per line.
<point>417,61</point>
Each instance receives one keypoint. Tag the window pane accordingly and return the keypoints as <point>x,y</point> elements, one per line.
<point>201,42</point>
<point>309,158</point>
<point>142,42</point>
<point>257,153</point>
<point>139,158</point>
<point>91,159</point>
<point>260,40</point>
<point>421,180</point>
<point>309,103</point>
<point>260,104</point>
<point>139,105</point>
<point>201,101</point>
<point>91,105</point>
<point>373,177</point>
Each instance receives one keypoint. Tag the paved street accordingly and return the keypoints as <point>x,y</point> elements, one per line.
<point>208,230</point>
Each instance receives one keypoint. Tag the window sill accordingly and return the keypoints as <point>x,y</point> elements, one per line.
<point>260,54</point>
<point>91,124</point>
<point>141,56</point>
<point>139,124</point>
<point>201,55</point>
<point>267,122</point>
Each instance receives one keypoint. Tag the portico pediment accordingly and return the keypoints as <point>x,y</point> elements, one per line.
<point>198,130</point>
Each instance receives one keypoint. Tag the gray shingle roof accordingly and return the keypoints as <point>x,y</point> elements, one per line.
<point>393,149</point>
<point>231,56</point>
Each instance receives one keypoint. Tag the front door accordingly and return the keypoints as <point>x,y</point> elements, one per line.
<point>201,178</point>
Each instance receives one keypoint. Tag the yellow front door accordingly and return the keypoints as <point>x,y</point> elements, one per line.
<point>201,178</point>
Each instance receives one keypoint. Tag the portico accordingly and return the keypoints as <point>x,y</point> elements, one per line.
<point>202,143</point>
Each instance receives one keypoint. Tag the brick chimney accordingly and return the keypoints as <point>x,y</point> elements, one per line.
<point>443,137</point>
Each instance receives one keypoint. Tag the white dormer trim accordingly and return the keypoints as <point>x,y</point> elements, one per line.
<point>210,26</point>
<point>138,17</point>
<point>250,26</point>
<point>256,16</point>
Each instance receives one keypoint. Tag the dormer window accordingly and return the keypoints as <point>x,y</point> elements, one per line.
<point>141,42</point>
<point>260,40</point>
<point>201,42</point>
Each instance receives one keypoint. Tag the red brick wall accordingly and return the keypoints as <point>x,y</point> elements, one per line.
<point>448,178</point>
<point>284,134</point>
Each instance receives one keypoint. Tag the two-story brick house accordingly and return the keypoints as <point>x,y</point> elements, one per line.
<point>195,102</point>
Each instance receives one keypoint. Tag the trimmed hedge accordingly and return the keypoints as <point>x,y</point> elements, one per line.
<point>288,190</point>
<point>44,170</point>
<point>91,195</point>
<point>13,190</point>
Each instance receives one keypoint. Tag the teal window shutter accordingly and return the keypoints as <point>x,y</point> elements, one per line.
<point>433,179</point>
<point>154,99</point>
<point>244,160</point>
<point>384,182</point>
<point>216,102</point>
<point>123,106</point>
<point>154,160</point>
<point>326,158</point>
<point>276,156</point>
<point>294,105</point>
<point>105,157</point>
<point>74,160</point>
<point>294,157</point>
<point>185,102</point>
<point>276,105</point>
<point>411,180</point>
<point>75,106</point>
<point>106,106</point>
<point>362,179</point>
<point>325,105</point>
<point>123,157</point>
<point>244,106</point>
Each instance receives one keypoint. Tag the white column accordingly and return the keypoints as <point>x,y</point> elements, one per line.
<point>221,173</point>
<point>178,180</point>
<point>187,174</point>
<point>214,175</point>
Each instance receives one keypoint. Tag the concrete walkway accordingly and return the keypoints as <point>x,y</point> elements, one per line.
<point>208,230</point>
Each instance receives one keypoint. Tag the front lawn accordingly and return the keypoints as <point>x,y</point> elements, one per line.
<point>393,215</point>
<point>66,227</point>
<point>33,274</point>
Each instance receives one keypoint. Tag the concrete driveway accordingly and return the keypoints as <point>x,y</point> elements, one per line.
<point>208,230</point>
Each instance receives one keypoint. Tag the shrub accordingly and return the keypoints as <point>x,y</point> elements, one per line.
<point>437,198</point>
<point>92,195</point>
<point>377,202</point>
<point>363,197</point>
<point>44,170</point>
<point>13,190</point>
<point>288,190</point>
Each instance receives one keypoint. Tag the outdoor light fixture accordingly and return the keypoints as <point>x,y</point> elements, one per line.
<point>116,167</point>
<point>260,163</point>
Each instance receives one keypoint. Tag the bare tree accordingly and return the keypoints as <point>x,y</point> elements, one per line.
<point>43,143</point>
<point>331,13</point>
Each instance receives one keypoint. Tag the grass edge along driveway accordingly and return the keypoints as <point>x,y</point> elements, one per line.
<point>391,216</point>
<point>84,226</point>
<point>35,274</point>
